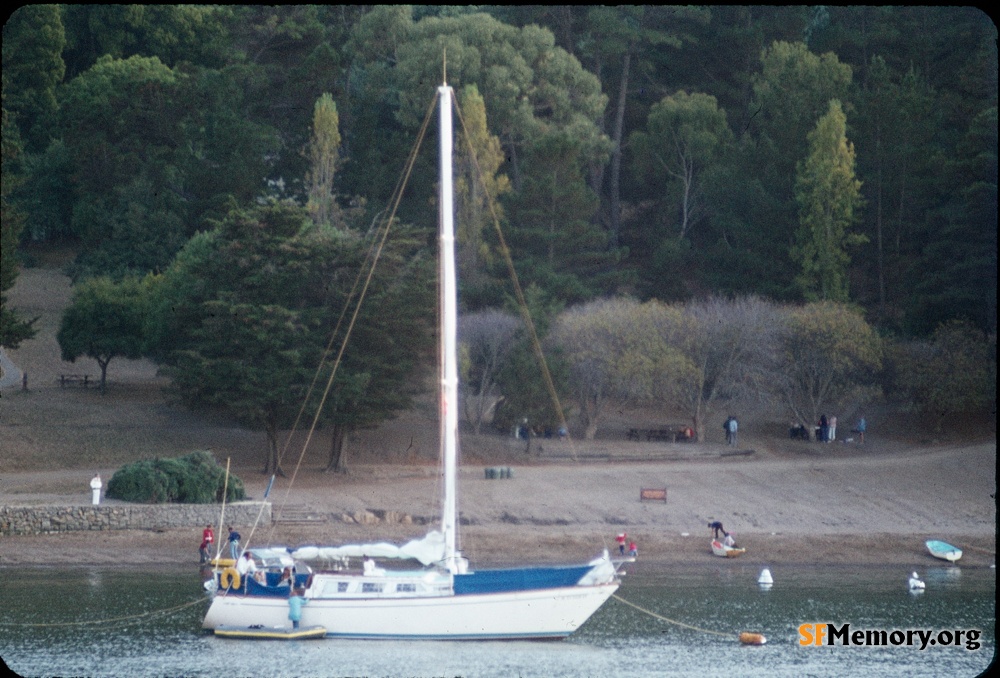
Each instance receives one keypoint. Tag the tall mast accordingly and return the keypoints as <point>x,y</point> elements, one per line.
<point>449,334</point>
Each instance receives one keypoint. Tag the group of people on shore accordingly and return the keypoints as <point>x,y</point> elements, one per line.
<point>633,548</point>
<point>208,538</point>
<point>826,430</point>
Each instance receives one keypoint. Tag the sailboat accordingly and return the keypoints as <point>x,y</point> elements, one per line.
<point>442,598</point>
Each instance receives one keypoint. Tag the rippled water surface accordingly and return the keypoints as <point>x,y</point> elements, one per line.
<point>82,623</point>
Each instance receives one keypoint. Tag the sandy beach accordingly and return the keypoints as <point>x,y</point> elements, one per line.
<point>833,506</point>
<point>788,501</point>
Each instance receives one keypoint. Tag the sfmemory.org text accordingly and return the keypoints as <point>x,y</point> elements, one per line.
<point>829,634</point>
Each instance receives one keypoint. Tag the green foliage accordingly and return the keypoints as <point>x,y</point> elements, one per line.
<point>13,328</point>
<point>554,242</point>
<point>619,350</point>
<point>829,196</point>
<point>244,315</point>
<point>33,41</point>
<point>828,356</point>
<point>143,125</point>
<point>684,137</point>
<point>520,377</point>
<point>324,152</point>
<point>954,372</point>
<point>195,478</point>
<point>105,320</point>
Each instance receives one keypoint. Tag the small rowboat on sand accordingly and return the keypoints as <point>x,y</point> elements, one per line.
<point>943,550</point>
<point>720,549</point>
<point>270,632</point>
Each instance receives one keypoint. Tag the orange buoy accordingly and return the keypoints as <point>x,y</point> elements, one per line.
<point>748,638</point>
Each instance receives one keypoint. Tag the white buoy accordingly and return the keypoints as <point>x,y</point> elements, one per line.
<point>915,583</point>
<point>765,579</point>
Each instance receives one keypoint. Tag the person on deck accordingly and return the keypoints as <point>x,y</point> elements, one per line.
<point>245,565</point>
<point>234,543</point>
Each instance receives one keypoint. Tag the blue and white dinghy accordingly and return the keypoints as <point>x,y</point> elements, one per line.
<point>943,550</point>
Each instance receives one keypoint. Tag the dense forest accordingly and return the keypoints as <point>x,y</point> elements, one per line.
<point>803,154</point>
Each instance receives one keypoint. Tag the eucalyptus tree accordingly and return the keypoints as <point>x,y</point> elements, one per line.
<point>479,187</point>
<point>538,101</point>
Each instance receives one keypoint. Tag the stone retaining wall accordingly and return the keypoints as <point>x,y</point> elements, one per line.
<point>50,519</point>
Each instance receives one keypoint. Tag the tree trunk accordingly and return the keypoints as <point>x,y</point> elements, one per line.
<point>104,373</point>
<point>271,463</point>
<point>616,154</point>
<point>335,464</point>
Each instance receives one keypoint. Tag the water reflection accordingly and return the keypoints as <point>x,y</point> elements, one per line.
<point>619,639</point>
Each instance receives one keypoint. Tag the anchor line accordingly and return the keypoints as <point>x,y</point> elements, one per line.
<point>112,620</point>
<point>673,621</point>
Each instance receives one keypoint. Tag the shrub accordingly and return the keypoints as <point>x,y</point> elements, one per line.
<point>195,478</point>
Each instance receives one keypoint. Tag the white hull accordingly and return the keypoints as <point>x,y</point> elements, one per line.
<point>543,613</point>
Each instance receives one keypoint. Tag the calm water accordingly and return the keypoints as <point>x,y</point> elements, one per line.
<point>617,640</point>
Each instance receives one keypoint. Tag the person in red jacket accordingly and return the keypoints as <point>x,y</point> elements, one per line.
<point>207,538</point>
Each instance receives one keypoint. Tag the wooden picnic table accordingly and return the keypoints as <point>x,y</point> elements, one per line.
<point>674,433</point>
<point>71,379</point>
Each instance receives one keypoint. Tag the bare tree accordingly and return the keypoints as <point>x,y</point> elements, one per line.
<point>486,340</point>
<point>617,351</point>
<point>729,341</point>
<point>826,356</point>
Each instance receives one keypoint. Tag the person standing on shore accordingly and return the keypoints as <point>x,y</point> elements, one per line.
<point>716,527</point>
<point>832,430</point>
<point>621,542</point>
<point>824,428</point>
<point>207,539</point>
<point>95,488</point>
<point>733,427</point>
<point>862,427</point>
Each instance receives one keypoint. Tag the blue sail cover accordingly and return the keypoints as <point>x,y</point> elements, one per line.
<point>518,579</point>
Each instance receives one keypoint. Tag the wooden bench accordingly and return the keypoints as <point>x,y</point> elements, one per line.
<point>74,379</point>
<point>653,494</point>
